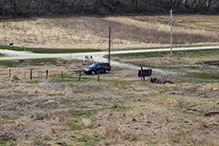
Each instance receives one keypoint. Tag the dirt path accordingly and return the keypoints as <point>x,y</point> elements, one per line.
<point>97,56</point>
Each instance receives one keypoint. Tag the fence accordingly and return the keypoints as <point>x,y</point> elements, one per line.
<point>43,74</point>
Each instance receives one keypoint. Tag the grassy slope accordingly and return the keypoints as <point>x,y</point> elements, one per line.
<point>127,31</point>
<point>36,50</point>
<point>184,53</point>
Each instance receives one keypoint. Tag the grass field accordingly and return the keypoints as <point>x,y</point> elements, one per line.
<point>72,32</point>
<point>201,64</point>
<point>49,51</point>
<point>120,109</point>
<point>1,55</point>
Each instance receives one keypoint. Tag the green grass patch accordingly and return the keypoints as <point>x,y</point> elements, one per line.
<point>143,48</point>
<point>4,47</point>
<point>2,55</point>
<point>205,75</point>
<point>66,77</point>
<point>199,77</point>
<point>183,53</point>
<point>118,108</point>
<point>5,117</point>
<point>190,80</point>
<point>79,113</point>
<point>84,107</point>
<point>53,51</point>
<point>88,141</point>
<point>35,62</point>
<point>143,63</point>
<point>71,77</point>
<point>39,118</point>
<point>121,83</point>
<point>32,82</point>
<point>42,61</point>
<point>144,55</point>
<point>9,63</point>
<point>49,51</point>
<point>84,138</point>
<point>117,69</point>
<point>5,140</point>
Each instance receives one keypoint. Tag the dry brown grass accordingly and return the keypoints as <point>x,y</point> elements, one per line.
<point>86,122</point>
<point>127,32</point>
<point>120,109</point>
<point>113,134</point>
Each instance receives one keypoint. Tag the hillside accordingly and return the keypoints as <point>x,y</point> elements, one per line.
<point>127,31</point>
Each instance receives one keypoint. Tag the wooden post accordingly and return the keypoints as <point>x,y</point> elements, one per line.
<point>62,75</point>
<point>98,75</point>
<point>142,73</point>
<point>79,75</point>
<point>109,44</point>
<point>9,73</point>
<point>46,74</point>
<point>31,70</point>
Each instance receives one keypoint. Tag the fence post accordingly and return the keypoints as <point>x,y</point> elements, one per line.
<point>9,73</point>
<point>79,75</point>
<point>31,70</point>
<point>62,75</point>
<point>46,74</point>
<point>142,73</point>
<point>98,75</point>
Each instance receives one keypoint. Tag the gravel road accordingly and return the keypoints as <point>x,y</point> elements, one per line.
<point>97,56</point>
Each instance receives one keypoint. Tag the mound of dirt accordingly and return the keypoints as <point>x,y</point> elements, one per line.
<point>159,80</point>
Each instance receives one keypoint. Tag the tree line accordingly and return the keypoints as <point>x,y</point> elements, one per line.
<point>104,7</point>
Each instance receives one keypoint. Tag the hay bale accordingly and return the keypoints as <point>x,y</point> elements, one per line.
<point>15,78</point>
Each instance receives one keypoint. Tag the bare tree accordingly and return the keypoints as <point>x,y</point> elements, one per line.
<point>44,7</point>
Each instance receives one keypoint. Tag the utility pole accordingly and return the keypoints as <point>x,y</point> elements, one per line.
<point>171,34</point>
<point>109,44</point>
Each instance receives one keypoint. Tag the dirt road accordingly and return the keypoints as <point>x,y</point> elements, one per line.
<point>96,56</point>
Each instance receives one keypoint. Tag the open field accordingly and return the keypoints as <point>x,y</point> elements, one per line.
<point>120,109</point>
<point>127,31</point>
<point>202,64</point>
